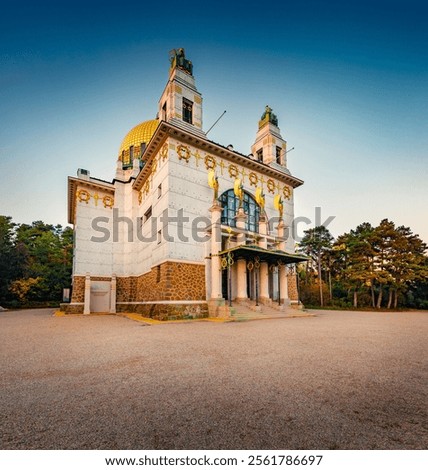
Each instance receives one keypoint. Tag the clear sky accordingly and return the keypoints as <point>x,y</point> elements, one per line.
<point>348,81</point>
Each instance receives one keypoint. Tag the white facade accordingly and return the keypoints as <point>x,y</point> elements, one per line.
<point>148,215</point>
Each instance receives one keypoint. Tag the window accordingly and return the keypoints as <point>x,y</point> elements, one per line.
<point>159,236</point>
<point>278,155</point>
<point>187,111</point>
<point>142,148</point>
<point>259,155</point>
<point>131,153</point>
<point>230,204</point>
<point>148,214</point>
<point>164,112</point>
<point>159,190</point>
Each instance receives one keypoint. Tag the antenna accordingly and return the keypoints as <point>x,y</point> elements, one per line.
<point>224,112</point>
<point>292,148</point>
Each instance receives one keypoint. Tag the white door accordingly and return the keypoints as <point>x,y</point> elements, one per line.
<point>100,296</point>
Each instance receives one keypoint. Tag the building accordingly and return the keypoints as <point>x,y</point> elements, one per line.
<point>188,227</point>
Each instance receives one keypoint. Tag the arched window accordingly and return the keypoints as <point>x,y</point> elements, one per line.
<point>230,204</point>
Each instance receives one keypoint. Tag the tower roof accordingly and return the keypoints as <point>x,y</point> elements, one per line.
<point>142,132</point>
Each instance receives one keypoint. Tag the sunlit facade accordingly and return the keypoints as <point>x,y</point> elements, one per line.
<point>188,227</point>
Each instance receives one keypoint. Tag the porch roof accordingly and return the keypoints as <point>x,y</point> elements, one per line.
<point>249,252</point>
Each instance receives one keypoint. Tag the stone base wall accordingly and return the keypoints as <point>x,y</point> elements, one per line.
<point>71,308</point>
<point>168,281</point>
<point>166,311</point>
<point>78,289</point>
<point>293,294</point>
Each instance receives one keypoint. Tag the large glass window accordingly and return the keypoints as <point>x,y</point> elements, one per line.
<point>230,204</point>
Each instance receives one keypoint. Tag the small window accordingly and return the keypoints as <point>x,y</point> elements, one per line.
<point>187,111</point>
<point>142,148</point>
<point>278,155</point>
<point>164,112</point>
<point>131,153</point>
<point>148,214</point>
<point>159,191</point>
<point>260,155</point>
<point>159,236</point>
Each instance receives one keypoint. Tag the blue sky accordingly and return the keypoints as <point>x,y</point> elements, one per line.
<point>347,80</point>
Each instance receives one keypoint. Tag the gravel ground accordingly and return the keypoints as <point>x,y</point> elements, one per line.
<point>340,380</point>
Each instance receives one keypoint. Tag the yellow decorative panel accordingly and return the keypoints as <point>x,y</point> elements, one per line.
<point>178,89</point>
<point>197,99</point>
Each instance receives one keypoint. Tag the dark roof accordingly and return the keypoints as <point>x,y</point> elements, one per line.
<point>249,252</point>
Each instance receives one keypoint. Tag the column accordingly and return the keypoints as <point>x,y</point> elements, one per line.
<point>216,291</point>
<point>113,294</point>
<point>264,271</point>
<point>241,264</point>
<point>282,272</point>
<point>87,306</point>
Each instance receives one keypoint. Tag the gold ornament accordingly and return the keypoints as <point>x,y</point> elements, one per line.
<point>164,151</point>
<point>286,191</point>
<point>278,204</point>
<point>233,171</point>
<point>213,183</point>
<point>154,166</point>
<point>260,197</point>
<point>254,179</point>
<point>108,201</point>
<point>146,188</point>
<point>210,162</point>
<point>183,153</point>
<point>271,185</point>
<point>238,189</point>
<point>83,195</point>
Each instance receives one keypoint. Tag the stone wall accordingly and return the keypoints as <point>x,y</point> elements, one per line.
<point>78,289</point>
<point>170,281</point>
<point>292,287</point>
<point>167,281</point>
<point>167,311</point>
<point>71,308</point>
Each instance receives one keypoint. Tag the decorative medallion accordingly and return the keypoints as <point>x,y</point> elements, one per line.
<point>83,195</point>
<point>233,171</point>
<point>286,191</point>
<point>254,179</point>
<point>271,186</point>
<point>164,151</point>
<point>210,162</point>
<point>183,153</point>
<point>108,201</point>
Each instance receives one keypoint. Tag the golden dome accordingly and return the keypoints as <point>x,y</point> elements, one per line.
<point>142,132</point>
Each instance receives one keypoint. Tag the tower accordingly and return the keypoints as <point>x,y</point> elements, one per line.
<point>269,146</point>
<point>181,103</point>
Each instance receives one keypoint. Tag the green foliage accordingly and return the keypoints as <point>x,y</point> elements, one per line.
<point>35,261</point>
<point>378,267</point>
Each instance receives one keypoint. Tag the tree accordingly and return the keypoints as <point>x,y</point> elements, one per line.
<point>316,243</point>
<point>47,253</point>
<point>9,266</point>
<point>354,260</point>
